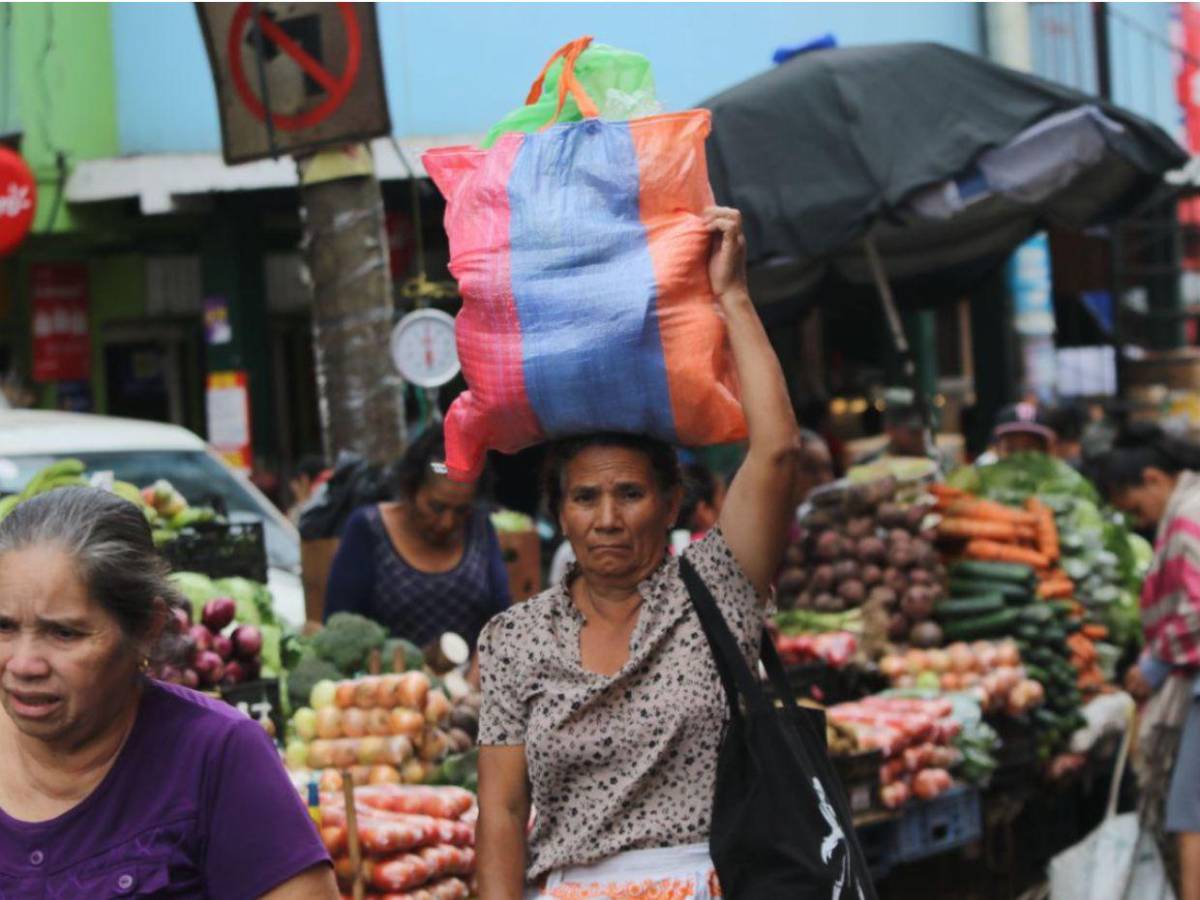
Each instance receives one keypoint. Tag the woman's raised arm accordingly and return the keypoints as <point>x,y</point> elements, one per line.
<point>758,506</point>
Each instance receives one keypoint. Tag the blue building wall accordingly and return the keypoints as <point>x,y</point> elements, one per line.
<point>454,68</point>
<point>1142,62</point>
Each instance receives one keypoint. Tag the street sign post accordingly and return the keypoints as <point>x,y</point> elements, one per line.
<point>294,77</point>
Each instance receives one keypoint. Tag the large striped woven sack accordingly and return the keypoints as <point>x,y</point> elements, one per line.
<point>583,266</point>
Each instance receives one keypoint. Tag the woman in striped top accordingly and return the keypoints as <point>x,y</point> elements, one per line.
<point>1155,480</point>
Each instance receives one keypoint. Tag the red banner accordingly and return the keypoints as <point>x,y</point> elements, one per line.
<point>1187,91</point>
<point>62,348</point>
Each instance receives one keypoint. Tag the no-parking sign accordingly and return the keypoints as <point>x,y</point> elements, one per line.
<point>293,77</point>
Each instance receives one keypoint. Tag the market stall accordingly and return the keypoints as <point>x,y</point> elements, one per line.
<point>965,637</point>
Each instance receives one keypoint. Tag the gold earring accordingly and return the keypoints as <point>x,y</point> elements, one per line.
<point>144,665</point>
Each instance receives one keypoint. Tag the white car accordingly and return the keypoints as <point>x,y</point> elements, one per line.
<point>141,452</point>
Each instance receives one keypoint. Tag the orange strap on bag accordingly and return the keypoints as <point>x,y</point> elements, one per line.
<point>567,82</point>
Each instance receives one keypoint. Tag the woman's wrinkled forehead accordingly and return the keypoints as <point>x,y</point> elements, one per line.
<point>601,466</point>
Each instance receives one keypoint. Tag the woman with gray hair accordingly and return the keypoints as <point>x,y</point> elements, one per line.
<point>117,785</point>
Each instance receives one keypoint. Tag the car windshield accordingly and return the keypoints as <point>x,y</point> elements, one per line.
<point>195,474</point>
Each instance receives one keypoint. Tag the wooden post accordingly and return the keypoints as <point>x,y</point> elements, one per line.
<point>352,834</point>
<point>360,394</point>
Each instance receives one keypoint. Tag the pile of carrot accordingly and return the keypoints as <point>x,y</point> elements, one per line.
<point>993,532</point>
<point>1089,676</point>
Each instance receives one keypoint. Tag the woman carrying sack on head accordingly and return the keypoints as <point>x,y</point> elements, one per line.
<point>605,707</point>
<point>1155,480</point>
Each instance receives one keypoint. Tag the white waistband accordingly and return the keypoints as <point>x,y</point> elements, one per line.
<point>663,862</point>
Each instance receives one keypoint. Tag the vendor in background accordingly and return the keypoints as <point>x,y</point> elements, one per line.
<point>703,495</point>
<point>1067,421</point>
<point>309,473</point>
<point>425,563</point>
<point>1155,480</point>
<point>903,425</point>
<point>1020,428</point>
<point>115,784</point>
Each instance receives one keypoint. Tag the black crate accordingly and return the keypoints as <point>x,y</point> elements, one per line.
<point>259,700</point>
<point>859,773</point>
<point>220,550</point>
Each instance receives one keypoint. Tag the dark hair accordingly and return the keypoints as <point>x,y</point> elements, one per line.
<point>110,543</point>
<point>1141,446</point>
<point>699,486</point>
<point>663,462</point>
<point>418,462</point>
<point>309,466</point>
<point>1066,421</point>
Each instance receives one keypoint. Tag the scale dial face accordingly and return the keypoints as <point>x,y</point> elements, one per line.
<point>423,348</point>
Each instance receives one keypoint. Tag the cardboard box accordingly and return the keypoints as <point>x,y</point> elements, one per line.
<point>523,557</point>
<point>316,559</point>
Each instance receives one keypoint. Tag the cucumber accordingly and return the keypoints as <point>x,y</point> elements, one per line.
<point>1053,634</point>
<point>971,587</point>
<point>1028,632</point>
<point>1045,719</point>
<point>1040,657</point>
<point>1038,614</point>
<point>993,624</point>
<point>965,607</point>
<point>1037,673</point>
<point>1061,608</point>
<point>993,571</point>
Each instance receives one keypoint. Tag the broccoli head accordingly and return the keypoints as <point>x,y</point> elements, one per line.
<point>306,673</point>
<point>347,640</point>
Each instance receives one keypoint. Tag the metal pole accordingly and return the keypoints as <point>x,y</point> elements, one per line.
<point>899,338</point>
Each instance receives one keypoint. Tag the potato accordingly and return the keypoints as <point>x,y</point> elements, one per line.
<point>898,627</point>
<point>823,578</point>
<point>830,546</point>
<point>871,550</point>
<point>872,575</point>
<point>829,603</point>
<point>860,527</point>
<point>792,580</point>
<point>852,591</point>
<point>917,603</point>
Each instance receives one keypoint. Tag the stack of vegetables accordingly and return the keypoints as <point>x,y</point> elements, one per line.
<point>217,651</point>
<point>990,672</point>
<point>226,607</point>
<point>996,600</point>
<point>1102,559</point>
<point>916,737</point>
<point>834,648</point>
<point>857,546</point>
<point>167,510</point>
<point>417,843</point>
<point>383,729</point>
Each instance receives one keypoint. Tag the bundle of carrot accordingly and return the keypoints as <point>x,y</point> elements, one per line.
<point>1090,677</point>
<point>993,532</point>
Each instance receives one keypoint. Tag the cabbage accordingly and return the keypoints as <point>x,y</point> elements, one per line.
<point>198,589</point>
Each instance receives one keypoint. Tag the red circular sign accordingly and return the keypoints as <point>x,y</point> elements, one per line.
<point>18,200</point>
<point>336,86</point>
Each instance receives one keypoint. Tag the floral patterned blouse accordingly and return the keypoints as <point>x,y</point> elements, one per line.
<point>626,761</point>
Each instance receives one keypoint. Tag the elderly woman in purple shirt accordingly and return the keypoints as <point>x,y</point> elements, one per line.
<point>115,785</point>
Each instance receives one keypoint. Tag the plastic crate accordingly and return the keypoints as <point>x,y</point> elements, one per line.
<point>220,550</point>
<point>859,773</point>
<point>258,699</point>
<point>930,827</point>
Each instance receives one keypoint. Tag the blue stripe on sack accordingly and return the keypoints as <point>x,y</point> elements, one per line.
<point>584,284</point>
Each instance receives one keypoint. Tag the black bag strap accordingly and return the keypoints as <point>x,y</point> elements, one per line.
<point>731,665</point>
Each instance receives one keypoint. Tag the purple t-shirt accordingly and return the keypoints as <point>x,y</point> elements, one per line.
<point>196,805</point>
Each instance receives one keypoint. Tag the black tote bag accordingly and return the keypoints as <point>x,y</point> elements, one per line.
<point>781,826</point>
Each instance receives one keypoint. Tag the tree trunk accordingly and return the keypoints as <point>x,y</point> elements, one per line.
<point>361,396</point>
